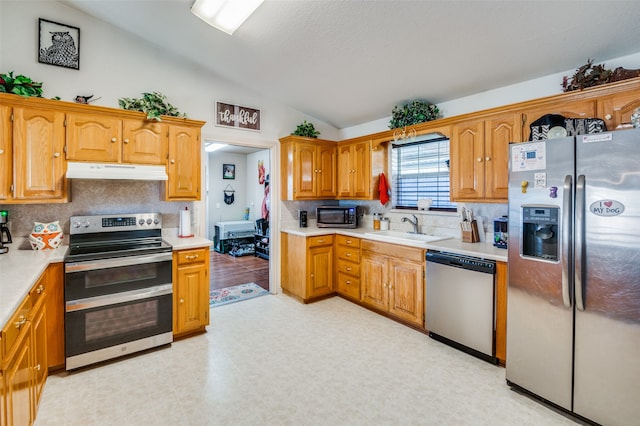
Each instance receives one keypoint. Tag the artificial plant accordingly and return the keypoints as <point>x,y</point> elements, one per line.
<point>154,104</point>
<point>413,113</point>
<point>307,130</point>
<point>20,85</point>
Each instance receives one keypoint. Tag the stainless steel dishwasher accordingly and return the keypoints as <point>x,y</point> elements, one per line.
<point>460,302</point>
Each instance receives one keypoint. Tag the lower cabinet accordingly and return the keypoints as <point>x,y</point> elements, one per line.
<point>190,291</point>
<point>501,311</point>
<point>392,284</point>
<point>307,266</point>
<point>348,266</point>
<point>24,358</point>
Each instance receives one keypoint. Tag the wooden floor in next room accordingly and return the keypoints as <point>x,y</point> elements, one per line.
<point>227,270</point>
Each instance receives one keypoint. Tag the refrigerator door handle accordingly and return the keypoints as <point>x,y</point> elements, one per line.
<point>579,238</point>
<point>566,239</point>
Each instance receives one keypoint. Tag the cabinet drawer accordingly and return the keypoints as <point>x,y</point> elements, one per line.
<point>16,323</point>
<point>344,240</point>
<point>191,256</point>
<point>348,285</point>
<point>320,240</point>
<point>348,253</point>
<point>346,267</point>
<point>410,254</point>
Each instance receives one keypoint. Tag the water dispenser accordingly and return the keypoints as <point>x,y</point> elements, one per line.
<point>540,232</point>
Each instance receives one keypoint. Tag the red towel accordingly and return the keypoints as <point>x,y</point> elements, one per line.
<point>383,188</point>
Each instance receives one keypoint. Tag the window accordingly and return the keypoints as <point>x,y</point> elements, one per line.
<point>420,170</point>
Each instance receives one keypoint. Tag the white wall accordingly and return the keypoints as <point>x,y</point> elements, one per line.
<point>545,86</point>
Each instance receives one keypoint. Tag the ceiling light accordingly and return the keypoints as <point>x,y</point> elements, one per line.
<point>225,15</point>
<point>212,146</point>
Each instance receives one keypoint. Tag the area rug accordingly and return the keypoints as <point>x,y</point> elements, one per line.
<point>236,293</point>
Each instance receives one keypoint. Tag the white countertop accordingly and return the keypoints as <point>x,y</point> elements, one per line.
<point>21,267</point>
<point>484,250</point>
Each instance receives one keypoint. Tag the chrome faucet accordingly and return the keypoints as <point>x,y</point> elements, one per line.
<point>414,222</point>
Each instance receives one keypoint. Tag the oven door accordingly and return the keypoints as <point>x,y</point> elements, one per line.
<point>121,274</point>
<point>105,327</point>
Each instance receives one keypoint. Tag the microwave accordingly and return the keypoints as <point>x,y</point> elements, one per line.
<point>337,217</point>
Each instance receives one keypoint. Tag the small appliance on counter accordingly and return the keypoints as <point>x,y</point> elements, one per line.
<point>500,232</point>
<point>303,218</point>
<point>5,235</point>
<point>337,216</point>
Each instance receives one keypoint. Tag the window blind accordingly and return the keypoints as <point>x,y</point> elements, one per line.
<point>421,170</point>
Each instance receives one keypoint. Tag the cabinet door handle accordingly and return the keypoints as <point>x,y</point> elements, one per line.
<point>191,257</point>
<point>320,241</point>
<point>181,300</point>
<point>479,160</point>
<point>347,282</point>
<point>348,254</point>
<point>607,117</point>
<point>114,140</point>
<point>348,269</point>
<point>21,321</point>
<point>172,161</point>
<point>56,154</point>
<point>40,289</point>
<point>1,151</point>
<point>348,241</point>
<point>487,158</point>
<point>126,141</point>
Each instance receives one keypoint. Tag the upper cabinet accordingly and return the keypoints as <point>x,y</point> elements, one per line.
<point>480,157</point>
<point>360,163</point>
<point>32,155</point>
<point>38,136</point>
<point>110,139</point>
<point>308,168</point>
<point>183,165</point>
<point>616,109</point>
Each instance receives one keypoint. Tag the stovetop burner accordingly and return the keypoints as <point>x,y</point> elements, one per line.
<point>109,236</point>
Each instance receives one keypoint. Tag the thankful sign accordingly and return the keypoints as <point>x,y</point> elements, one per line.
<point>229,115</point>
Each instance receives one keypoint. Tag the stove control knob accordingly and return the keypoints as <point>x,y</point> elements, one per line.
<point>86,224</point>
<point>156,220</point>
<point>149,221</point>
<point>76,224</point>
<point>141,222</point>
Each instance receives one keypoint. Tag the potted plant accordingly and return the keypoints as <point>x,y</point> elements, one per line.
<point>20,85</point>
<point>307,130</point>
<point>414,112</point>
<point>154,104</point>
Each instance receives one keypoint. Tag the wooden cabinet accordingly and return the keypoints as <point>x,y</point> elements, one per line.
<point>501,311</point>
<point>348,266</point>
<point>354,170</point>
<point>190,291</point>
<point>32,155</point>
<point>24,358</point>
<point>308,168</point>
<point>480,157</point>
<point>391,283</point>
<point>307,266</point>
<point>183,165</point>
<point>111,139</point>
<point>616,109</point>
<point>54,287</point>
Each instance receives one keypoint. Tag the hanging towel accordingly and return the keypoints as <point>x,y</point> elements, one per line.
<point>383,188</point>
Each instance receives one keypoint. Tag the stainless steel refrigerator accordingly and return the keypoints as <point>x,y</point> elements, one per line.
<point>573,324</point>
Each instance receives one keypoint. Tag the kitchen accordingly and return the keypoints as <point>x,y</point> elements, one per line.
<point>141,196</point>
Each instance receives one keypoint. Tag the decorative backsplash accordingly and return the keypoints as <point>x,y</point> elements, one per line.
<point>97,197</point>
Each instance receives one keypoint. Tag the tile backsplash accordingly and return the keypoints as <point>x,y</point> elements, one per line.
<point>97,197</point>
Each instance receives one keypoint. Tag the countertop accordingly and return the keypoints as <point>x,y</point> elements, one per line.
<point>484,250</point>
<point>21,267</point>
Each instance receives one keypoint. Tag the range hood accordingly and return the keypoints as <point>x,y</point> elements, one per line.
<point>115,171</point>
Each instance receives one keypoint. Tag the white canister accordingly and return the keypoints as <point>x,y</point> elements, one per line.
<point>384,224</point>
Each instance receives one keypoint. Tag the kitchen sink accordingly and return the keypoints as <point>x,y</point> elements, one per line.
<point>399,235</point>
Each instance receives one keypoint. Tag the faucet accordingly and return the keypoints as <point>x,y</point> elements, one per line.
<point>414,222</point>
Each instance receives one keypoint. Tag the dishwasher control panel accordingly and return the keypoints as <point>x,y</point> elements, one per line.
<point>462,261</point>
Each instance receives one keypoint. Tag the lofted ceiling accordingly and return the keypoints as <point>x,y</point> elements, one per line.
<point>350,62</point>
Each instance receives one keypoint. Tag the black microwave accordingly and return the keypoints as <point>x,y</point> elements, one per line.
<point>337,216</point>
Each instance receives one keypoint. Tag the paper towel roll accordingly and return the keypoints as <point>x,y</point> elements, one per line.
<point>185,223</point>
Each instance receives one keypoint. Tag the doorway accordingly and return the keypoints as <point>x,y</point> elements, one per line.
<point>238,213</point>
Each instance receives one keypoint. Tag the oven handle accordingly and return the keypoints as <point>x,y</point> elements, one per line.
<point>116,262</point>
<point>112,299</point>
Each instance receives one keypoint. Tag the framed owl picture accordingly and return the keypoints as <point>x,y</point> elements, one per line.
<point>58,44</point>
